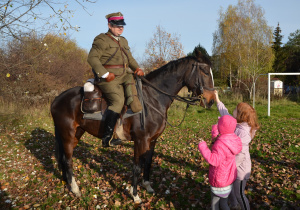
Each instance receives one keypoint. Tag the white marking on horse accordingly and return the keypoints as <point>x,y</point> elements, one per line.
<point>212,77</point>
<point>147,186</point>
<point>75,188</point>
<point>136,198</point>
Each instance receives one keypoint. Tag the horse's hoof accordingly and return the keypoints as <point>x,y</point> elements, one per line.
<point>75,188</point>
<point>78,194</point>
<point>136,199</point>
<point>147,186</point>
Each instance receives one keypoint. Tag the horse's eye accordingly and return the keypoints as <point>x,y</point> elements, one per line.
<point>205,71</point>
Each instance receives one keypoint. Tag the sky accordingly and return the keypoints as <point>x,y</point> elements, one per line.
<point>194,21</point>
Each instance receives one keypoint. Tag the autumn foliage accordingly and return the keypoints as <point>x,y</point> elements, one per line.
<point>242,45</point>
<point>35,69</point>
<point>162,48</point>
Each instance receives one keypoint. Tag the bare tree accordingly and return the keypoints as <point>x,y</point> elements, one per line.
<point>162,48</point>
<point>20,17</point>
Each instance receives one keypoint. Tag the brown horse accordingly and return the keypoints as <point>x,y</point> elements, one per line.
<point>164,83</point>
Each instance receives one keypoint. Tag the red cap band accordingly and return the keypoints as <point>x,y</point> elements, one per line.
<point>115,18</point>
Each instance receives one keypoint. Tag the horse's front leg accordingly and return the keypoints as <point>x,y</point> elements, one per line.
<point>147,168</point>
<point>133,189</point>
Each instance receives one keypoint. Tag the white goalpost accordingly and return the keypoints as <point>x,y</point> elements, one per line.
<point>269,86</point>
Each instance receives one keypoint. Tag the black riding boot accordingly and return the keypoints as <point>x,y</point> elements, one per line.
<point>110,122</point>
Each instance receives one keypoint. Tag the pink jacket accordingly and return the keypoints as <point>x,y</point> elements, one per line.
<point>243,159</point>
<point>222,169</point>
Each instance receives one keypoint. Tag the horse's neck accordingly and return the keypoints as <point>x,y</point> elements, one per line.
<point>168,81</point>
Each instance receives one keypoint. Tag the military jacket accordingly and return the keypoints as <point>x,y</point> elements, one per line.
<point>103,48</point>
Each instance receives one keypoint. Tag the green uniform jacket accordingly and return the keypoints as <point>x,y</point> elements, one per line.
<point>103,48</point>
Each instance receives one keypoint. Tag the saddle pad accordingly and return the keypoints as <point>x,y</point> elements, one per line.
<point>93,116</point>
<point>99,115</point>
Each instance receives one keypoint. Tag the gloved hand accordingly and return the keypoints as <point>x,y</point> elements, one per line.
<point>139,72</point>
<point>110,77</point>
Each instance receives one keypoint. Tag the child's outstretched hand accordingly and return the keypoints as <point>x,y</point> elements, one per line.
<point>201,141</point>
<point>217,96</point>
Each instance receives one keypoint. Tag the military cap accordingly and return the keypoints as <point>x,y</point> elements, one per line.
<point>116,19</point>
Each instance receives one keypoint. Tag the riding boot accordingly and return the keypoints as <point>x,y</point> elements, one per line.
<point>110,122</point>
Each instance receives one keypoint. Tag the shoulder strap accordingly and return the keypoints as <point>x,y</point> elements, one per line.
<point>118,44</point>
<point>110,57</point>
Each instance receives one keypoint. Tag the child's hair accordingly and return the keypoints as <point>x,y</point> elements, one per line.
<point>246,113</point>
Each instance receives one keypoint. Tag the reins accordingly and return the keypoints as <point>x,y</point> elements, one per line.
<point>187,100</point>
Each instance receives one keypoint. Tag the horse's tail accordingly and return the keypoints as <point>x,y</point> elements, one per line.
<point>59,150</point>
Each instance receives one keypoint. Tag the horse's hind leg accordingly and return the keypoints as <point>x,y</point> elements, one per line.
<point>66,145</point>
<point>70,176</point>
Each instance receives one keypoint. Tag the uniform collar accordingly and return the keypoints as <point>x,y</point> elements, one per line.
<point>115,37</point>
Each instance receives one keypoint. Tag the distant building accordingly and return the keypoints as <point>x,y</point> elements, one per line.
<point>276,87</point>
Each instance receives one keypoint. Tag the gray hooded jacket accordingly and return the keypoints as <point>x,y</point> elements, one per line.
<point>243,159</point>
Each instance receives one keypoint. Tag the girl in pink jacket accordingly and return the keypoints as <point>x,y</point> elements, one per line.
<point>222,169</point>
<point>247,125</point>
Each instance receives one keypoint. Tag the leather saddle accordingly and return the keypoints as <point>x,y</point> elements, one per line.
<point>93,101</point>
<point>94,105</point>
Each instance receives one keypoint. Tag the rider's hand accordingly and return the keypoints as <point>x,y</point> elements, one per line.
<point>110,77</point>
<point>139,72</point>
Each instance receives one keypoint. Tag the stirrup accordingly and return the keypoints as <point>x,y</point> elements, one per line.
<point>112,142</point>
<point>130,113</point>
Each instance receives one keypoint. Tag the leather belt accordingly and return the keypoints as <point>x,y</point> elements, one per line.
<point>115,66</point>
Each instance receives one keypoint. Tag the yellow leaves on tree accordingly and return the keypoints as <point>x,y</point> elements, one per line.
<point>242,43</point>
<point>162,48</point>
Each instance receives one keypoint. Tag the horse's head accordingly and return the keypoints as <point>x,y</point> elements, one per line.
<point>199,79</point>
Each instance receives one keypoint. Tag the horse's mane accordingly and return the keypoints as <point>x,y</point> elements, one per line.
<point>170,66</point>
<point>167,68</point>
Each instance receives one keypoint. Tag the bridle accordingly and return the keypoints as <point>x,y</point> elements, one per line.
<point>199,82</point>
<point>192,100</point>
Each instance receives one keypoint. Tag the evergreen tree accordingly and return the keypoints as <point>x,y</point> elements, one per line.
<point>292,52</point>
<point>278,65</point>
<point>200,48</point>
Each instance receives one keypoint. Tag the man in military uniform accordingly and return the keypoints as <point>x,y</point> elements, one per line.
<point>113,66</point>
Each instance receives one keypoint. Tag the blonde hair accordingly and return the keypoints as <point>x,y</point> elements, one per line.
<point>246,113</point>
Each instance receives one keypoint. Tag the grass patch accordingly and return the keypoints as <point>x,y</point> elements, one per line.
<point>29,173</point>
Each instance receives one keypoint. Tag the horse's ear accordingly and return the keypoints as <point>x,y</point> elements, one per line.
<point>199,55</point>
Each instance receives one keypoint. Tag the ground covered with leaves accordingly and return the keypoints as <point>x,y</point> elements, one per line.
<point>30,179</point>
